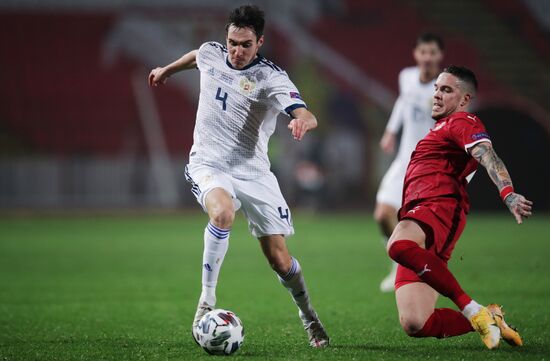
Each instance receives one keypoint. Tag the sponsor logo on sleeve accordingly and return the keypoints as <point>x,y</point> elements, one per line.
<point>295,95</point>
<point>479,136</point>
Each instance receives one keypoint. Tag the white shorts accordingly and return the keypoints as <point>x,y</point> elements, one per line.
<point>391,188</point>
<point>261,199</point>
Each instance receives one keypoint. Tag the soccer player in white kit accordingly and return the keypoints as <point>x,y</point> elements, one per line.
<point>241,95</point>
<point>412,113</point>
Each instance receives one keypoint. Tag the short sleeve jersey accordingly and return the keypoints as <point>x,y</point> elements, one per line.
<point>237,112</point>
<point>412,111</point>
<point>441,165</point>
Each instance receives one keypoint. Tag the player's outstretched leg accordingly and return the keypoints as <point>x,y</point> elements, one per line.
<point>290,275</point>
<point>386,217</point>
<point>216,242</point>
<point>405,249</point>
<point>419,317</point>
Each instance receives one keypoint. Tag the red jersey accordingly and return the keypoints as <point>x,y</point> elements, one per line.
<point>441,166</point>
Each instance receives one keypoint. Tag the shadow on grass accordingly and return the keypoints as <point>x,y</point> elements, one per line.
<point>416,349</point>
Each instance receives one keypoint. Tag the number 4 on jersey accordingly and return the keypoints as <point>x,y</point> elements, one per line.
<point>222,98</point>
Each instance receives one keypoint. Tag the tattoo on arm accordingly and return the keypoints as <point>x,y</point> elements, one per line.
<point>487,157</point>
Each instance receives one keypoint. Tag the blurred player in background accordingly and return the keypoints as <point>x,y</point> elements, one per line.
<point>241,95</point>
<point>412,114</point>
<point>433,216</point>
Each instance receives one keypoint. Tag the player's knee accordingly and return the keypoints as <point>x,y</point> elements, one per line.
<point>394,251</point>
<point>402,241</point>
<point>222,217</point>
<point>411,325</point>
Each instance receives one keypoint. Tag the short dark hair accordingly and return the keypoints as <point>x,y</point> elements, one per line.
<point>464,74</point>
<point>430,38</point>
<point>247,16</point>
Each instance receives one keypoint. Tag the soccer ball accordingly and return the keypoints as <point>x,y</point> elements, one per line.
<point>220,332</point>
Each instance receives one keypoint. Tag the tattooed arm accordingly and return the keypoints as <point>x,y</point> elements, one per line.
<point>486,156</point>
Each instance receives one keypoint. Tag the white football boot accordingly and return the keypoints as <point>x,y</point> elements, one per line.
<point>316,332</point>
<point>202,309</point>
<point>388,283</point>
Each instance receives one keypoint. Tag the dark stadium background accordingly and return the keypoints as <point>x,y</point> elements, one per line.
<point>79,129</point>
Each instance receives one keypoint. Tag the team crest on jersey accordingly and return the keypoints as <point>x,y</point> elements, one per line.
<point>247,85</point>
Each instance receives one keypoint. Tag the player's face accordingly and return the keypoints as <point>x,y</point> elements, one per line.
<point>448,97</point>
<point>242,46</point>
<point>428,56</point>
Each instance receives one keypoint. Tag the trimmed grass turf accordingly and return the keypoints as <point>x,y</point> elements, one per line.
<point>125,288</point>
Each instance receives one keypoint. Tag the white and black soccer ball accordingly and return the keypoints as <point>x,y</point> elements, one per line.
<point>220,332</point>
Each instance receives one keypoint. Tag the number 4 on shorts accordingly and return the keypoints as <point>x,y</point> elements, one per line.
<point>285,215</point>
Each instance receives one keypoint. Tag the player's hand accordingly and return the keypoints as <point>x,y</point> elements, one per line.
<point>519,206</point>
<point>387,143</point>
<point>157,77</point>
<point>299,127</point>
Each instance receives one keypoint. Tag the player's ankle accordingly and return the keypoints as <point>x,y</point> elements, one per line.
<point>208,296</point>
<point>471,309</point>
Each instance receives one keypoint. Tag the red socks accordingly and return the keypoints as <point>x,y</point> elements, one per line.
<point>445,322</point>
<point>430,268</point>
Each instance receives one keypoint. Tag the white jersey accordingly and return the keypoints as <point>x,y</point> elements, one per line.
<point>237,112</point>
<point>412,111</point>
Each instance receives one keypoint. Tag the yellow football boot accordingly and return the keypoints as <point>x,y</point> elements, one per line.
<point>485,324</point>
<point>510,335</point>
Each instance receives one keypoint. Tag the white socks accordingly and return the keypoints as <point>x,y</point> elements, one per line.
<point>471,309</point>
<point>216,242</point>
<point>294,283</point>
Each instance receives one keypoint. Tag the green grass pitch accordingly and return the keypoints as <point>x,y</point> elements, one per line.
<point>126,288</point>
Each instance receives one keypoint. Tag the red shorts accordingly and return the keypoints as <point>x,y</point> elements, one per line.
<point>442,219</point>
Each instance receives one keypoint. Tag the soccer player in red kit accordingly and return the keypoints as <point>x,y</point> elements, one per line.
<point>433,216</point>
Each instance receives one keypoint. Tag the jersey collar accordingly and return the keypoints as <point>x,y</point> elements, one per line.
<point>454,115</point>
<point>252,63</point>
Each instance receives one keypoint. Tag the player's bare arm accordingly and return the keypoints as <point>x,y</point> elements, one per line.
<point>387,143</point>
<point>158,76</point>
<point>485,154</point>
<point>303,121</point>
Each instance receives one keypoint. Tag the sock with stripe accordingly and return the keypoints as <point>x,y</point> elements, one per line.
<point>430,268</point>
<point>445,322</point>
<point>216,242</point>
<point>295,284</point>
